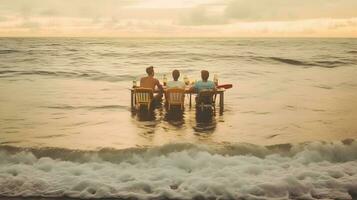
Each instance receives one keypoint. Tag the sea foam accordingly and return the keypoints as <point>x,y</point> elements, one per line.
<point>315,170</point>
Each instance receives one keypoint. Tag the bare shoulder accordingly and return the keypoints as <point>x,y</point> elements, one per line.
<point>143,79</point>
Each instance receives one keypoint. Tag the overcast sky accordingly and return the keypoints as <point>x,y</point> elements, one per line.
<point>179,18</point>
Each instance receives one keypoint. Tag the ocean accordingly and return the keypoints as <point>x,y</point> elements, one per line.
<point>288,129</point>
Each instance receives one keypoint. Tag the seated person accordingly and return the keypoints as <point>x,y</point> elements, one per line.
<point>151,82</point>
<point>204,84</point>
<point>175,83</point>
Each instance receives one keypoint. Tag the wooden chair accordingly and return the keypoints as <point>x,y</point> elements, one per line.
<point>143,97</point>
<point>175,96</point>
<point>206,99</point>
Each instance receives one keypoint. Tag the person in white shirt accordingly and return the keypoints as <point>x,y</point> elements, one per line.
<point>175,83</point>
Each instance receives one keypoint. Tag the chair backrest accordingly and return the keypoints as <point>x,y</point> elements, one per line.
<point>206,97</point>
<point>143,95</point>
<point>175,96</point>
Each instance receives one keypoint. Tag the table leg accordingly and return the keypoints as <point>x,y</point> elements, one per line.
<point>132,99</point>
<point>221,102</point>
<point>190,100</point>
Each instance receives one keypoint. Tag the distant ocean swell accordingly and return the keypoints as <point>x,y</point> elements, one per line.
<point>92,75</point>
<point>317,63</point>
<point>104,107</point>
<point>72,53</point>
<point>317,170</point>
<point>352,52</point>
<point>97,75</point>
<point>8,51</point>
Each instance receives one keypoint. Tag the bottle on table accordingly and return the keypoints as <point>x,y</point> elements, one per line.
<point>164,80</point>
<point>134,84</point>
<point>215,80</point>
<point>185,79</point>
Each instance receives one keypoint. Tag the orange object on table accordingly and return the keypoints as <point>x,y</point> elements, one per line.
<point>225,86</point>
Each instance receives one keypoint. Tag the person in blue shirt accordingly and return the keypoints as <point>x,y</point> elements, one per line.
<point>204,84</point>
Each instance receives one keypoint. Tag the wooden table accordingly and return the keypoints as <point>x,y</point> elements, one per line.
<point>220,92</point>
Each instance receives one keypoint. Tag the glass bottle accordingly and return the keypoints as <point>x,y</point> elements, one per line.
<point>164,80</point>
<point>185,79</point>
<point>215,79</point>
<point>134,84</point>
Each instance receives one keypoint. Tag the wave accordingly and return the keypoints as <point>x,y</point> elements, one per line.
<point>352,52</point>
<point>104,107</point>
<point>54,44</point>
<point>8,51</point>
<point>214,56</point>
<point>92,75</point>
<point>291,61</point>
<point>317,170</point>
<point>316,63</point>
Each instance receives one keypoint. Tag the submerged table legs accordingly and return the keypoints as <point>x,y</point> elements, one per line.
<point>190,100</point>
<point>221,102</point>
<point>132,99</point>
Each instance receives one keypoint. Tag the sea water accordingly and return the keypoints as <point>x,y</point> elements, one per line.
<point>287,130</point>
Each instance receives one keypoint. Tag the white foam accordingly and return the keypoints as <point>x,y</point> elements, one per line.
<point>313,171</point>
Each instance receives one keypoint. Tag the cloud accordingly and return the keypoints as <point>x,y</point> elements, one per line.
<point>203,15</point>
<point>172,3</point>
<point>295,28</point>
<point>30,25</point>
<point>267,10</point>
<point>178,18</point>
<point>232,11</point>
<point>64,8</point>
<point>3,18</point>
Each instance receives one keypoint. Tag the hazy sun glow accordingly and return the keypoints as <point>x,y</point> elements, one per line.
<point>179,18</point>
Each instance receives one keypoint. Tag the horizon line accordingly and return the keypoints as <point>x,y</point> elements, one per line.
<point>187,37</point>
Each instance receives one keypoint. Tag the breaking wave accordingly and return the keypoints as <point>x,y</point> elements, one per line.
<point>317,170</point>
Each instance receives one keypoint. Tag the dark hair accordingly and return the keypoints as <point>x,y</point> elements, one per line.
<point>150,70</point>
<point>175,74</point>
<point>204,75</point>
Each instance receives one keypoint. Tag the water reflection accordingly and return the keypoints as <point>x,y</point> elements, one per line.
<point>148,121</point>
<point>176,120</point>
<point>145,115</point>
<point>175,117</point>
<point>205,121</point>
